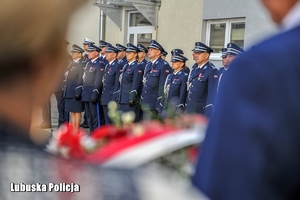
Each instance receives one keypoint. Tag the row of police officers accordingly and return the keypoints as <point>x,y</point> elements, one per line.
<point>101,74</point>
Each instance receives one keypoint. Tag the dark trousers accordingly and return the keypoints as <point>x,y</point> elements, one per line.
<point>62,115</point>
<point>91,115</point>
<point>105,113</point>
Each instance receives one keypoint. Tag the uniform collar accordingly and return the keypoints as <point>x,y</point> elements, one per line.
<point>76,61</point>
<point>94,60</point>
<point>175,73</point>
<point>154,60</point>
<point>202,65</point>
<point>131,62</point>
<point>112,62</point>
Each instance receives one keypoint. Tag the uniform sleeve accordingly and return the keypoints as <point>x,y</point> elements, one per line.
<point>98,82</point>
<point>137,81</point>
<point>165,71</point>
<point>163,99</point>
<point>117,82</point>
<point>78,89</point>
<point>212,90</point>
<point>182,96</point>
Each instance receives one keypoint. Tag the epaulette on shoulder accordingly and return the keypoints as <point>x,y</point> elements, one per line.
<point>211,65</point>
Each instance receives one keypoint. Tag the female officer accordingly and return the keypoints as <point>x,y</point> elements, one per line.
<point>130,82</point>
<point>175,89</point>
<point>142,55</point>
<point>74,81</point>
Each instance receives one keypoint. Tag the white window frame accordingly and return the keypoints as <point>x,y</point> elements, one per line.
<point>136,29</point>
<point>228,22</point>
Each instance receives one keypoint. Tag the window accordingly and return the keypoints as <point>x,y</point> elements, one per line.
<point>222,32</point>
<point>139,29</point>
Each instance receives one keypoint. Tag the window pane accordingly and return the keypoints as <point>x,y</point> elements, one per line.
<point>217,36</point>
<point>144,39</point>
<point>137,19</point>
<point>131,38</point>
<point>238,33</point>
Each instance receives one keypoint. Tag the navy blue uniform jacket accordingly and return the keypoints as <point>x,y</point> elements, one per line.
<point>252,147</point>
<point>130,82</point>
<point>110,82</point>
<point>154,79</point>
<point>92,80</point>
<point>123,62</point>
<point>174,93</point>
<point>144,63</point>
<point>202,87</point>
<point>74,78</point>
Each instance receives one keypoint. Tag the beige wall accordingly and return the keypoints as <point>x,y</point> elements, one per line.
<point>180,26</point>
<point>113,34</point>
<point>84,23</point>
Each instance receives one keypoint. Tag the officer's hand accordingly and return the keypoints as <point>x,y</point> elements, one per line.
<point>78,97</point>
<point>94,101</point>
<point>130,102</point>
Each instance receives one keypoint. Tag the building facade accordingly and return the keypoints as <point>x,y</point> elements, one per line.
<point>242,22</point>
<point>173,23</point>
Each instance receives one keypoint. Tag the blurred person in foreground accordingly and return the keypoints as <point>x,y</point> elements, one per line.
<point>36,49</point>
<point>252,147</point>
<point>31,49</point>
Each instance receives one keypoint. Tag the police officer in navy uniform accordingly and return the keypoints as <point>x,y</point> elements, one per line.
<point>225,66</point>
<point>202,82</point>
<point>175,89</point>
<point>142,55</point>
<point>186,69</point>
<point>130,82</point>
<point>103,46</point>
<point>92,85</point>
<point>110,79</point>
<point>86,43</point>
<point>232,51</point>
<point>142,61</point>
<point>73,103</point>
<point>155,75</point>
<point>121,54</point>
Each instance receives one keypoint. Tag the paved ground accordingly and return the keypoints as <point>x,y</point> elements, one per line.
<point>54,116</point>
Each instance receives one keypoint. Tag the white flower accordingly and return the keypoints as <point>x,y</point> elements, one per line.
<point>112,106</point>
<point>88,142</point>
<point>128,117</point>
<point>64,151</point>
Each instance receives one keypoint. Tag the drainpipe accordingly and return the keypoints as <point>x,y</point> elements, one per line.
<point>102,24</point>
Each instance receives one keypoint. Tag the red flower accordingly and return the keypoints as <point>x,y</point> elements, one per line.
<point>71,140</point>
